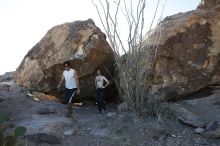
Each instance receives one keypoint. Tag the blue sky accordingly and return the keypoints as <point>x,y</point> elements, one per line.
<point>25,22</point>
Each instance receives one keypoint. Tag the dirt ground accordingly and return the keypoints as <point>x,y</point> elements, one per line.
<point>47,125</point>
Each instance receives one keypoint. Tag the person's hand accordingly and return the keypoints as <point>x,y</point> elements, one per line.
<point>78,91</point>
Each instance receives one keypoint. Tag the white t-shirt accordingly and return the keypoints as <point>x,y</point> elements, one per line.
<point>99,81</point>
<point>69,76</point>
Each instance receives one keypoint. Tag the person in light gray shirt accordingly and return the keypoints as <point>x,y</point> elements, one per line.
<point>99,84</point>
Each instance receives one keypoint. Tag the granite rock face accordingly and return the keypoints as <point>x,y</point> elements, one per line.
<point>80,42</point>
<point>209,4</point>
<point>188,57</point>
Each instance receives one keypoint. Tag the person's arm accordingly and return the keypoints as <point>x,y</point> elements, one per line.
<point>95,83</point>
<point>77,82</point>
<point>107,82</point>
<point>61,82</point>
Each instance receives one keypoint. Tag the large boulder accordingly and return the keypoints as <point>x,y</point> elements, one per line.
<point>188,57</point>
<point>209,4</point>
<point>80,42</point>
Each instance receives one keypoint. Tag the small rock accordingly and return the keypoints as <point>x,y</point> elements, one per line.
<point>110,114</point>
<point>168,135</point>
<point>186,116</point>
<point>199,130</point>
<point>100,132</point>
<point>213,125</point>
<point>199,141</point>
<point>155,138</point>
<point>68,133</point>
<point>4,86</point>
<point>16,88</point>
<point>212,134</point>
<point>212,130</point>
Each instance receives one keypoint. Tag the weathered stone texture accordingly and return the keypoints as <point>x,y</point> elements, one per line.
<point>189,52</point>
<point>80,42</point>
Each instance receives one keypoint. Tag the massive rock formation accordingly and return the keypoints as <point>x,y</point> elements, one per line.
<point>81,43</point>
<point>189,52</point>
<point>209,4</point>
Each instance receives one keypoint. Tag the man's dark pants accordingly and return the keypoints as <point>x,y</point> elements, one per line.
<point>70,93</point>
<point>100,99</point>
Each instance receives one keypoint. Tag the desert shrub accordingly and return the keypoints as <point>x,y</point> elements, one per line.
<point>9,140</point>
<point>135,57</point>
<point>165,113</point>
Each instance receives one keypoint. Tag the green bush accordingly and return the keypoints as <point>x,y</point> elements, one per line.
<point>10,140</point>
<point>2,119</point>
<point>19,131</point>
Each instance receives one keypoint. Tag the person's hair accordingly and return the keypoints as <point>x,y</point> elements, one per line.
<point>66,62</point>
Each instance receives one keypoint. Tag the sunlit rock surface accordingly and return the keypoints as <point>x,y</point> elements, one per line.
<point>80,42</point>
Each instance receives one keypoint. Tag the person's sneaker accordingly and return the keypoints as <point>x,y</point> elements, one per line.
<point>68,115</point>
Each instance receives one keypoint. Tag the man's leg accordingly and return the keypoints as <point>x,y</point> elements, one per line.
<point>66,96</point>
<point>70,95</point>
<point>102,95</point>
<point>69,108</point>
<point>98,97</point>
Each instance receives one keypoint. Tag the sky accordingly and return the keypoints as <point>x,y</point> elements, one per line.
<point>24,22</point>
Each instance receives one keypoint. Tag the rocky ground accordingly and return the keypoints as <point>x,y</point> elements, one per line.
<point>47,125</point>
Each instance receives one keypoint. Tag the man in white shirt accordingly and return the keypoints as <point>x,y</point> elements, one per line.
<point>71,84</point>
<point>99,84</point>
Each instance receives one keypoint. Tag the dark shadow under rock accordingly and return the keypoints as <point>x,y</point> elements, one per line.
<point>213,125</point>
<point>212,134</point>
<point>1,99</point>
<point>46,110</point>
<point>43,137</point>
